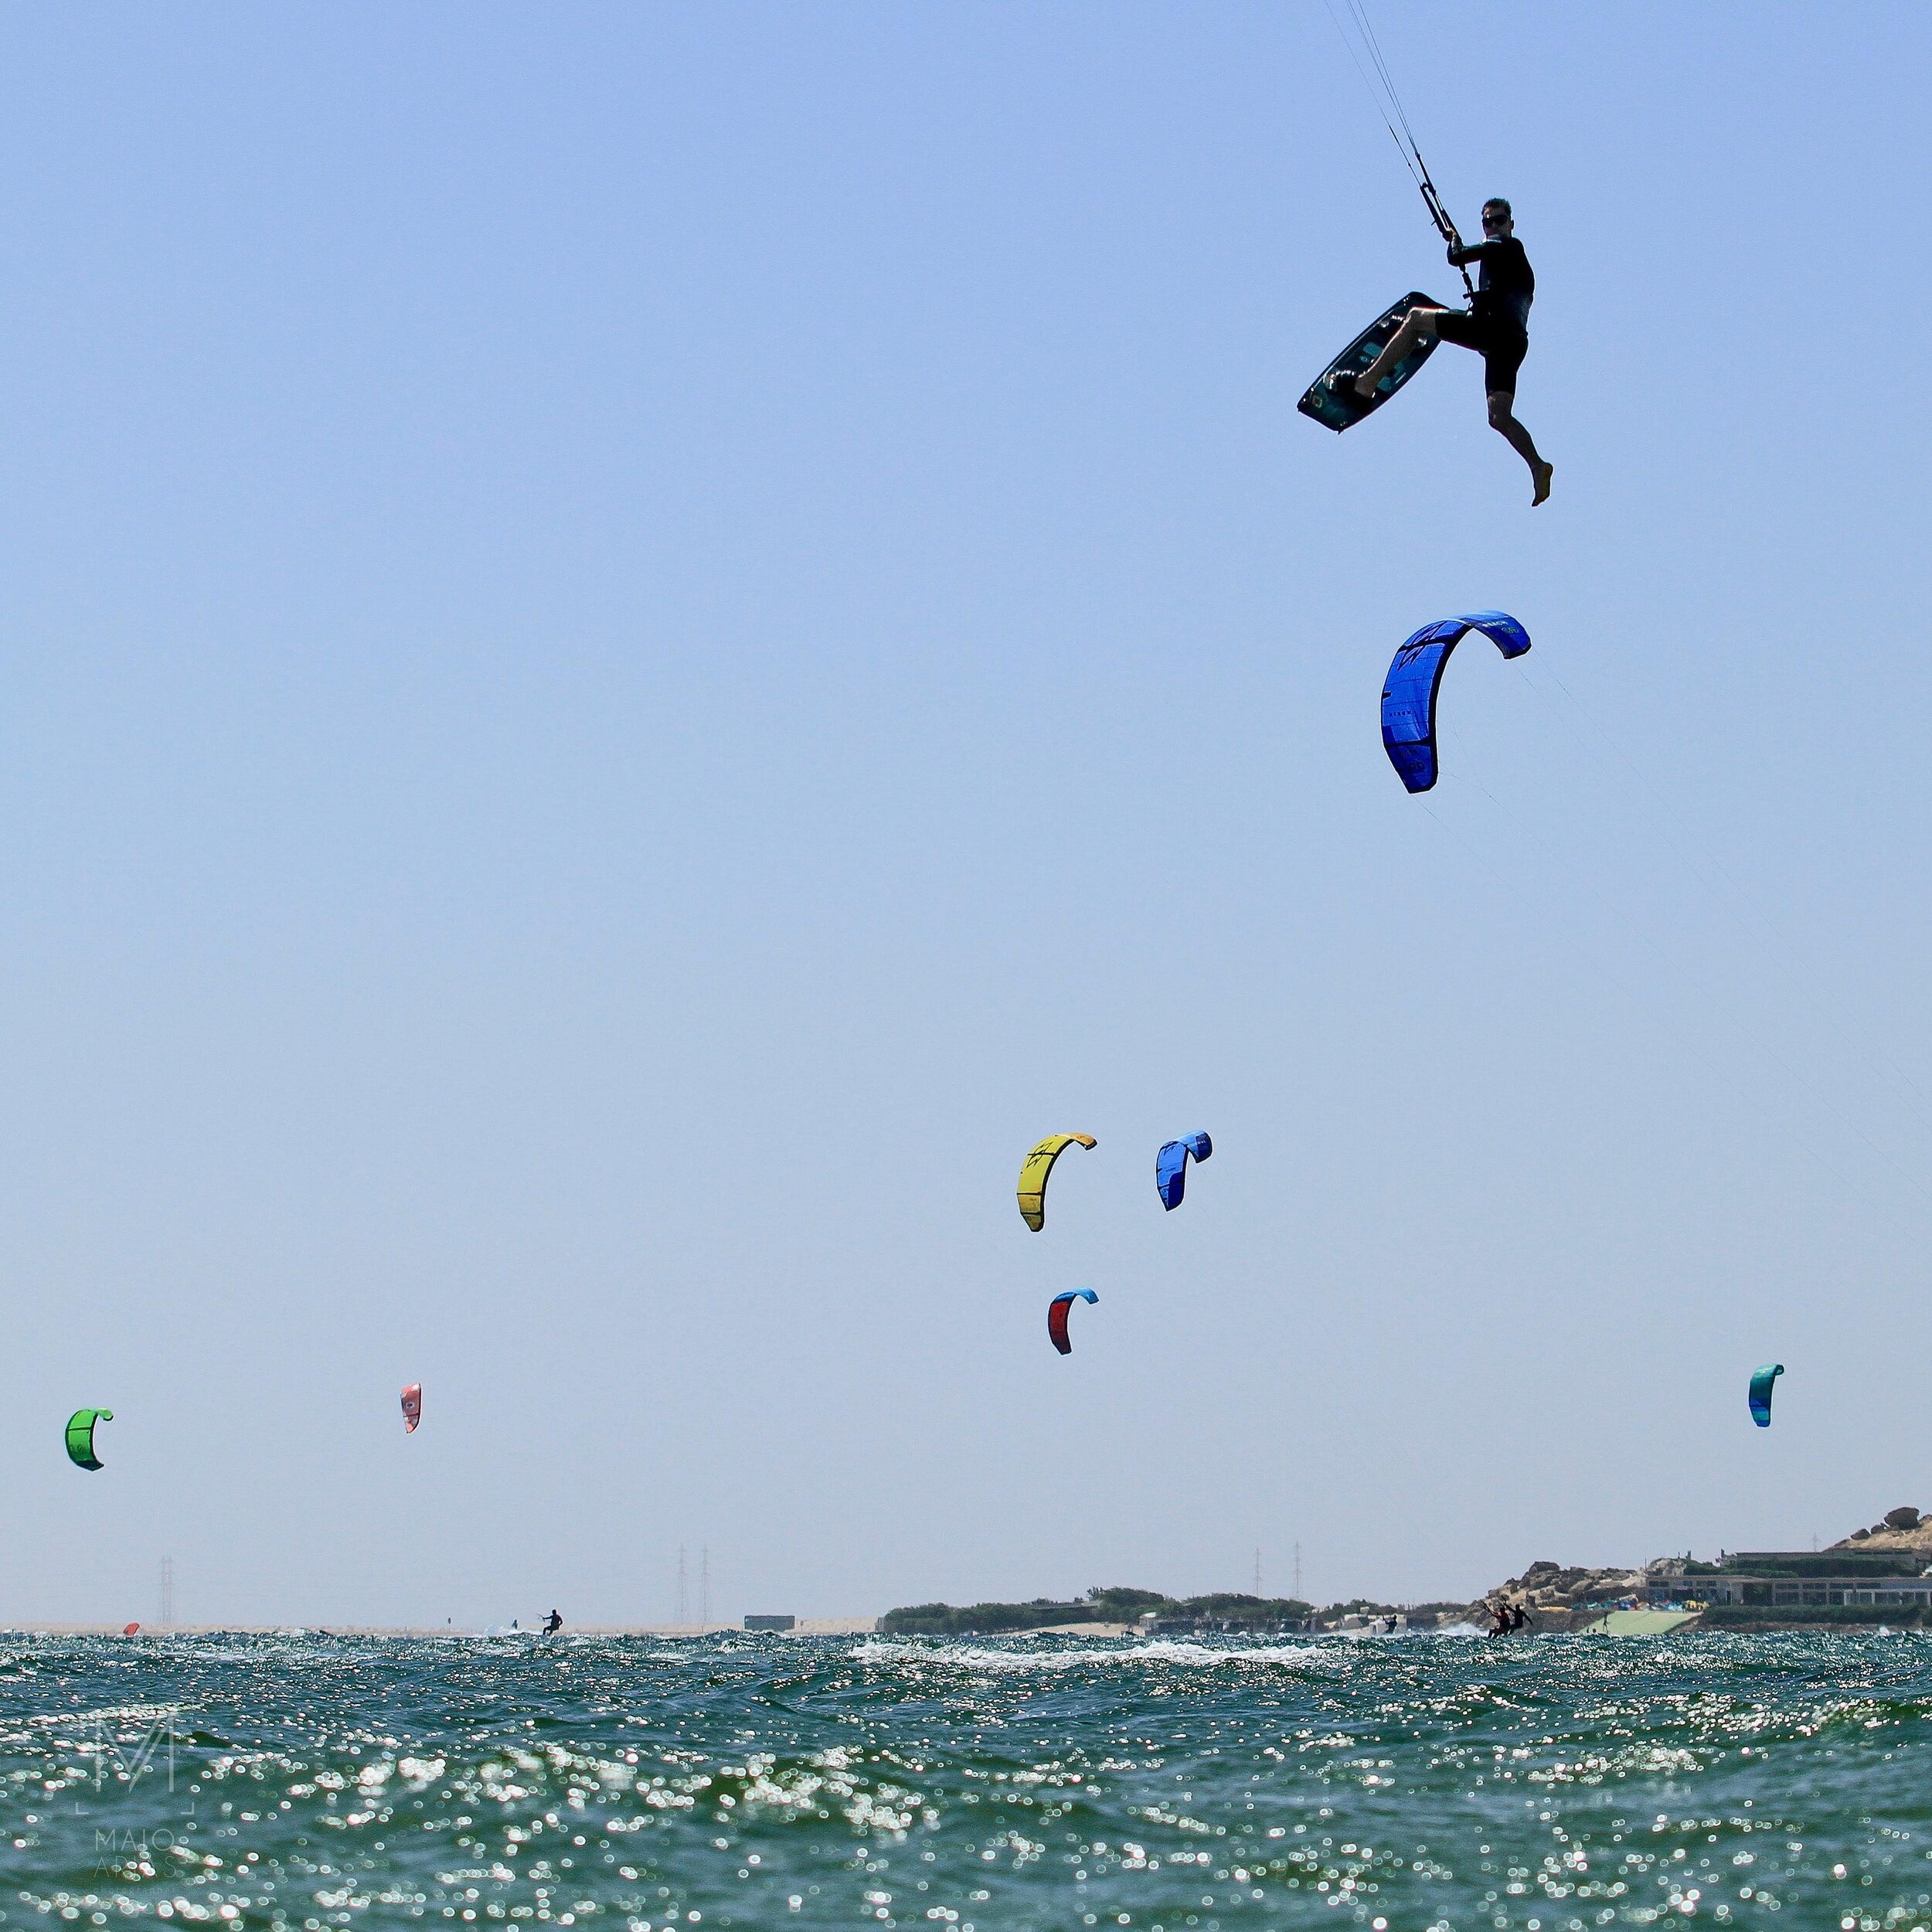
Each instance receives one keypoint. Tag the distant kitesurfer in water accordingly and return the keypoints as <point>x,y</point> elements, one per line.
<point>1497,326</point>
<point>551,1625</point>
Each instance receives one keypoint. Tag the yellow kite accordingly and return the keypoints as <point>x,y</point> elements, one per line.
<point>1033,1176</point>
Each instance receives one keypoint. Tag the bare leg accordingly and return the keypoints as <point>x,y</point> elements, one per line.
<point>1417,326</point>
<point>1503,421</point>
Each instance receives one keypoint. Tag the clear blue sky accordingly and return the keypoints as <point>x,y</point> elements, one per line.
<point>639,642</point>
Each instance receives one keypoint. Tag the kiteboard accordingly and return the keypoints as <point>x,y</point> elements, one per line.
<point>1337,406</point>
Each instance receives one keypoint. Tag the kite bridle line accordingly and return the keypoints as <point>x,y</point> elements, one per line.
<point>1444,227</point>
<point>1386,99</point>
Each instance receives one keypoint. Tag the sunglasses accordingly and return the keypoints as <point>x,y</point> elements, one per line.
<point>1494,221</point>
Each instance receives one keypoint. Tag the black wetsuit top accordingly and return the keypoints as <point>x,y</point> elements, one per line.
<point>1508,284</point>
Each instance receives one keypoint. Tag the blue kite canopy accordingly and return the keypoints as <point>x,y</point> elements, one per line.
<point>1409,695</point>
<point>1761,1381</point>
<point>1170,1166</point>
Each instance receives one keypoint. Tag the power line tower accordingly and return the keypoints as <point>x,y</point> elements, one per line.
<point>1297,1573</point>
<point>1257,1572</point>
<point>683,1596</point>
<point>167,1592</point>
<point>704,1585</point>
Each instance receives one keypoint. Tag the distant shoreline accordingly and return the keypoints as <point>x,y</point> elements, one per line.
<point>805,1626</point>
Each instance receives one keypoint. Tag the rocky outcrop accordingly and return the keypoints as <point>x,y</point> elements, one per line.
<point>1555,1593</point>
<point>1902,1529</point>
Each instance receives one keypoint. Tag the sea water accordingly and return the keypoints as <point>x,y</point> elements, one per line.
<point>1542,1783</point>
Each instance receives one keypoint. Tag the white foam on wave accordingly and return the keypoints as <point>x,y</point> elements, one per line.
<point>1170,1650</point>
<point>1405,1636</point>
<point>888,1650</point>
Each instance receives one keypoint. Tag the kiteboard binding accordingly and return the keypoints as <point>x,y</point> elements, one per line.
<point>1332,399</point>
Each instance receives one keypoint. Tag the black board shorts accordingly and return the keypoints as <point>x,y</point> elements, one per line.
<point>1501,346</point>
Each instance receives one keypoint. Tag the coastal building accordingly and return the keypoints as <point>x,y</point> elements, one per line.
<point>771,1623</point>
<point>1771,1580</point>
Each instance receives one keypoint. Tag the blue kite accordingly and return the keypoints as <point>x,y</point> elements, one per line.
<point>1170,1166</point>
<point>1408,696</point>
<point>1761,1382</point>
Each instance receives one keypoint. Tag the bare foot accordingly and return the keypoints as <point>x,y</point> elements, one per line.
<point>1542,473</point>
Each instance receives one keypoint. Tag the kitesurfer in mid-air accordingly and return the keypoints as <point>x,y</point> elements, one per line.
<point>1497,326</point>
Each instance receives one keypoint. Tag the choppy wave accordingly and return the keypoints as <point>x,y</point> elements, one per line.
<point>1015,1785</point>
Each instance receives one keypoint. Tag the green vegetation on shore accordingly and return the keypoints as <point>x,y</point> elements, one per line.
<point>1117,1606</point>
<point>1814,1615</point>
